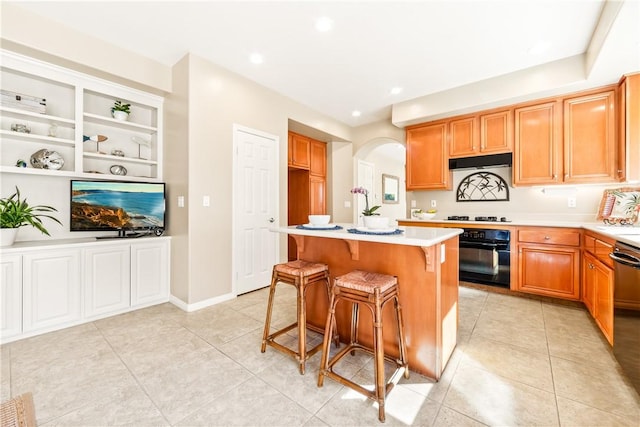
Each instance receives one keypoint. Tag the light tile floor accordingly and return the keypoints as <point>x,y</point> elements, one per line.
<point>518,362</point>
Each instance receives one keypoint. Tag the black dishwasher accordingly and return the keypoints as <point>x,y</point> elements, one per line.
<point>626,310</point>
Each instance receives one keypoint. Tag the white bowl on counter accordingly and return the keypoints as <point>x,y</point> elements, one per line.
<point>425,215</point>
<point>319,219</point>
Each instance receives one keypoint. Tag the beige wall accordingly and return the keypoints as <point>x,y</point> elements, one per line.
<point>60,45</point>
<point>525,203</point>
<point>216,100</point>
<point>203,102</point>
<point>176,162</point>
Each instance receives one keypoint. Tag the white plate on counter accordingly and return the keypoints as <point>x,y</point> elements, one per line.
<point>376,230</point>
<point>319,226</point>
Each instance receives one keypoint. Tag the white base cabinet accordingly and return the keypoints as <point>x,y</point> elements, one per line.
<point>107,279</point>
<point>51,289</point>
<point>11,294</point>
<point>52,285</point>
<point>147,278</point>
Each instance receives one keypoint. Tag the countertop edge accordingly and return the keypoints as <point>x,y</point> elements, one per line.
<point>412,236</point>
<point>615,232</point>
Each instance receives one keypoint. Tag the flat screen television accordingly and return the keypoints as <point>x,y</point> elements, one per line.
<point>117,206</point>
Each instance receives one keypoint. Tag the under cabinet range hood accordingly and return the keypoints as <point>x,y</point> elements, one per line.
<point>481,162</point>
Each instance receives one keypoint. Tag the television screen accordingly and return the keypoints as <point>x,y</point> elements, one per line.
<point>117,205</point>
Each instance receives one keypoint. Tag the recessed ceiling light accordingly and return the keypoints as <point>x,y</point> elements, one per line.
<point>356,113</point>
<point>324,24</point>
<point>256,58</point>
<point>396,90</point>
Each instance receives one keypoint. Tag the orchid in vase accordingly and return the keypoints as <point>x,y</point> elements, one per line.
<point>365,192</point>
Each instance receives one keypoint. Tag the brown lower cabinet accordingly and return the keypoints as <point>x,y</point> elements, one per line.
<point>549,261</point>
<point>597,281</point>
<point>566,263</point>
<point>597,287</point>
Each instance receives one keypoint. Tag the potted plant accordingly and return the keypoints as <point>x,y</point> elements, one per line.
<point>16,213</point>
<point>371,218</point>
<point>120,110</point>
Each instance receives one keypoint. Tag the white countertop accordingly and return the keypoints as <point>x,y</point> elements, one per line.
<point>36,245</point>
<point>626,234</point>
<point>411,236</point>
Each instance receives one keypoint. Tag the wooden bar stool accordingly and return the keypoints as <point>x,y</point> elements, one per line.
<point>299,274</point>
<point>373,290</point>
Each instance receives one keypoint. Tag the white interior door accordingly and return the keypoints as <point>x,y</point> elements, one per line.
<point>365,172</point>
<point>255,192</point>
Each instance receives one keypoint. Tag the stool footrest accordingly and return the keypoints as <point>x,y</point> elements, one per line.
<point>281,331</point>
<point>294,353</point>
<point>390,384</point>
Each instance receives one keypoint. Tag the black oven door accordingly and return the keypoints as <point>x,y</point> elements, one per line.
<point>487,263</point>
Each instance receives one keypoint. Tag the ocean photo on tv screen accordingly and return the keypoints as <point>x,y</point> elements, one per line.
<point>111,205</point>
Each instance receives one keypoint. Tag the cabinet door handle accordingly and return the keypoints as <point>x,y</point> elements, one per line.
<point>555,176</point>
<point>547,238</point>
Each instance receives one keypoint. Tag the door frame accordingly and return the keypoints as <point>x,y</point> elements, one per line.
<point>235,199</point>
<point>361,164</point>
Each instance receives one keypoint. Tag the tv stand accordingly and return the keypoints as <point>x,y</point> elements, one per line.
<point>122,234</point>
<point>53,284</point>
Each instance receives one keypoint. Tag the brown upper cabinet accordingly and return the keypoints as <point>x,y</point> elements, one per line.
<point>590,134</point>
<point>496,132</point>
<point>586,137</point>
<point>490,132</point>
<point>629,128</point>
<point>299,151</point>
<point>427,161</point>
<point>318,158</point>
<point>463,137</point>
<point>558,141</point>
<point>538,144</point>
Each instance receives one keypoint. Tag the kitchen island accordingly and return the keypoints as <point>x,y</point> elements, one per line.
<point>425,260</point>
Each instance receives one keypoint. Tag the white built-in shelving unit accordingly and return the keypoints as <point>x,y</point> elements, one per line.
<point>78,105</point>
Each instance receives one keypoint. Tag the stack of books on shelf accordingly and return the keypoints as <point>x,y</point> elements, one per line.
<point>23,102</point>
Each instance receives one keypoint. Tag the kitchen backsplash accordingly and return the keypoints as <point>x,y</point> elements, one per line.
<point>525,203</point>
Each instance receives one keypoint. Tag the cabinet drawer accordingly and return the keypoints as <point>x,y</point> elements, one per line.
<point>602,251</point>
<point>599,248</point>
<point>565,237</point>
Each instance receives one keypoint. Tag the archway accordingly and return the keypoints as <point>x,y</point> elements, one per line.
<point>388,157</point>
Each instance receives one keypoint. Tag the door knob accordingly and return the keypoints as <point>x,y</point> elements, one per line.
<point>271,220</point>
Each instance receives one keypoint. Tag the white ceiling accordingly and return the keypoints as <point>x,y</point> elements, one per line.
<point>422,46</point>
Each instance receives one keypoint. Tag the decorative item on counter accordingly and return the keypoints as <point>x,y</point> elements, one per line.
<point>53,130</point>
<point>620,206</point>
<point>117,153</point>
<point>20,127</point>
<point>120,110</point>
<point>118,170</point>
<point>365,192</point>
<point>21,163</point>
<point>16,213</point>
<point>141,142</point>
<point>482,187</point>
<point>45,159</point>
<point>420,214</point>
<point>95,138</point>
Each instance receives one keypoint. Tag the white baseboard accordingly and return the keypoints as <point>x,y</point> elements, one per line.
<point>200,305</point>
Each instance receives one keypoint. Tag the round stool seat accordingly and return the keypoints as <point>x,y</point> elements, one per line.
<point>366,281</point>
